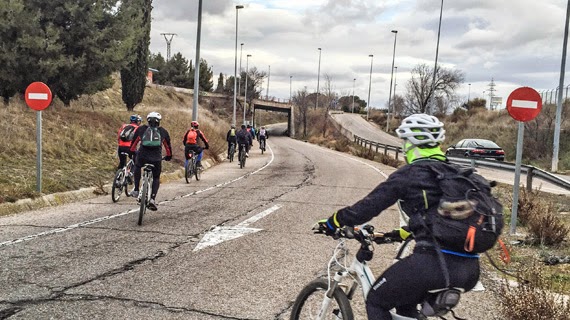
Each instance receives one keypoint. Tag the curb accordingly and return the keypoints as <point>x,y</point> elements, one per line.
<point>60,198</point>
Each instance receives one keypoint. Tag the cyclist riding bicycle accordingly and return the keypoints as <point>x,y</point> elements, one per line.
<point>125,136</point>
<point>152,138</point>
<point>244,138</point>
<point>405,284</point>
<point>262,134</point>
<point>251,131</point>
<point>191,142</point>
<point>231,138</point>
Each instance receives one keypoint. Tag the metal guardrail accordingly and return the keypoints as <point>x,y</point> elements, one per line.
<point>530,171</point>
<point>377,146</point>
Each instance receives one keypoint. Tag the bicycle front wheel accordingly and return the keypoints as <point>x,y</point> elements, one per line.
<point>309,303</point>
<point>197,173</point>
<point>144,198</point>
<point>188,171</point>
<point>118,185</point>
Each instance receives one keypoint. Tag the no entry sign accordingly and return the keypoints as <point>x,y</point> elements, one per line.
<point>524,104</point>
<point>38,96</point>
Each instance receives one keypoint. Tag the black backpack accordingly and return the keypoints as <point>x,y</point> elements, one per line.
<point>469,218</point>
<point>151,138</point>
<point>127,133</point>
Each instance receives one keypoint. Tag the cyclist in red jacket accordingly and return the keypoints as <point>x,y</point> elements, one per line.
<point>125,136</point>
<point>191,142</point>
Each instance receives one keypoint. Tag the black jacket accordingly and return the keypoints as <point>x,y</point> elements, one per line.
<point>244,137</point>
<point>407,184</point>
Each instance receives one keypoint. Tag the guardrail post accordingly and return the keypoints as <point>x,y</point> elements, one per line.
<point>472,163</point>
<point>376,147</point>
<point>386,150</point>
<point>529,174</point>
<point>397,152</point>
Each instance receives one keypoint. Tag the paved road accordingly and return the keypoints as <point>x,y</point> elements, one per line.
<point>90,259</point>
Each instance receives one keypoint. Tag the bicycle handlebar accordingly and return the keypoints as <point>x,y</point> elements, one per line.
<point>364,233</point>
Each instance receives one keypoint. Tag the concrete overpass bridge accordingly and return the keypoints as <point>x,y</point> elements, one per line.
<point>271,105</point>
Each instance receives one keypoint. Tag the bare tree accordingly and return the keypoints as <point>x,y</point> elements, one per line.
<point>329,98</point>
<point>302,101</point>
<point>420,91</point>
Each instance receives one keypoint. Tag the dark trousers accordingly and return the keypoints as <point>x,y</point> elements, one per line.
<point>155,175</point>
<point>405,284</point>
<point>122,157</point>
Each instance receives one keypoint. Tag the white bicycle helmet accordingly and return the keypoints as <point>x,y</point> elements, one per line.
<point>422,129</point>
<point>154,116</point>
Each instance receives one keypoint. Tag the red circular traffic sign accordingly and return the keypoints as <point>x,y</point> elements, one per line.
<point>38,96</point>
<point>524,104</point>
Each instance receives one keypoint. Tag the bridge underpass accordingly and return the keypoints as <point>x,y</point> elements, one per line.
<point>278,107</point>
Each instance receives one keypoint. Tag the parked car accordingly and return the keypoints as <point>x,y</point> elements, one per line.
<point>476,148</point>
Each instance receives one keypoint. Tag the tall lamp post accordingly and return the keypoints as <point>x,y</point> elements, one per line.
<point>235,66</point>
<point>395,32</point>
<point>246,76</point>
<point>318,79</point>
<point>369,87</point>
<point>267,89</point>
<point>395,85</point>
<point>290,88</point>
<point>436,54</point>
<point>353,85</point>
<point>240,70</point>
<point>469,94</point>
<point>197,69</point>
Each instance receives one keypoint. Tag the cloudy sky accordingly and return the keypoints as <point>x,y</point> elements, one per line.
<point>515,42</point>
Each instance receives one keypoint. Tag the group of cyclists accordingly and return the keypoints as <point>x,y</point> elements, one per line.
<point>144,143</point>
<point>244,138</point>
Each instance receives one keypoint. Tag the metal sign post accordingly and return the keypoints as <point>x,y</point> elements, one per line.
<point>523,104</point>
<point>38,97</point>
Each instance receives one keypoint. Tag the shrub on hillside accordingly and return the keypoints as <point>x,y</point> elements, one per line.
<point>532,300</point>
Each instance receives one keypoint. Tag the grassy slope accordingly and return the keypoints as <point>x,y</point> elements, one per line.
<point>79,143</point>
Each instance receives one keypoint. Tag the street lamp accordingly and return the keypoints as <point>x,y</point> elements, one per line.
<point>246,76</point>
<point>369,86</point>
<point>395,32</point>
<point>318,79</point>
<point>240,70</point>
<point>436,54</point>
<point>469,94</point>
<point>267,89</point>
<point>197,69</point>
<point>235,66</point>
<point>290,88</point>
<point>395,85</point>
<point>353,85</point>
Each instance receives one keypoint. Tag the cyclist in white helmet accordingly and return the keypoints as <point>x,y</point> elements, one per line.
<point>152,138</point>
<point>406,283</point>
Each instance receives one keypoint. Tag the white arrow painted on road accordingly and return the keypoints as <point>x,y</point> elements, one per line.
<point>218,234</point>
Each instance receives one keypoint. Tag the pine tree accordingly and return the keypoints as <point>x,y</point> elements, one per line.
<point>220,86</point>
<point>133,75</point>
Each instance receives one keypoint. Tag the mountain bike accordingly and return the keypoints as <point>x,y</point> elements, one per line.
<point>146,190</point>
<point>232,151</point>
<point>191,167</point>
<point>329,298</point>
<point>241,156</point>
<point>262,145</point>
<point>123,178</point>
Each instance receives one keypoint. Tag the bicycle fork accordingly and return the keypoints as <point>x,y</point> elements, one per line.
<point>333,285</point>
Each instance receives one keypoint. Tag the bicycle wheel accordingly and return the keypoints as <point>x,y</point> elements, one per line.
<point>242,159</point>
<point>232,152</point>
<point>144,197</point>
<point>188,170</point>
<point>310,301</point>
<point>197,172</point>
<point>262,147</point>
<point>118,185</point>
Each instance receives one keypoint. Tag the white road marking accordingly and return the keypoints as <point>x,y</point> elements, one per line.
<point>525,104</point>
<point>116,215</point>
<point>38,96</point>
<point>218,234</point>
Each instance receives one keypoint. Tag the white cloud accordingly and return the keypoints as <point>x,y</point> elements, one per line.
<point>515,42</point>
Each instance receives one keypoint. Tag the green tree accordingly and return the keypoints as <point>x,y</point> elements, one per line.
<point>74,45</point>
<point>133,75</point>
<point>157,61</point>
<point>177,72</point>
<point>220,86</point>
<point>206,74</point>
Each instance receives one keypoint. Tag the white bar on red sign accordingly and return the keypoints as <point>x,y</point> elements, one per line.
<point>526,104</point>
<point>38,96</point>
